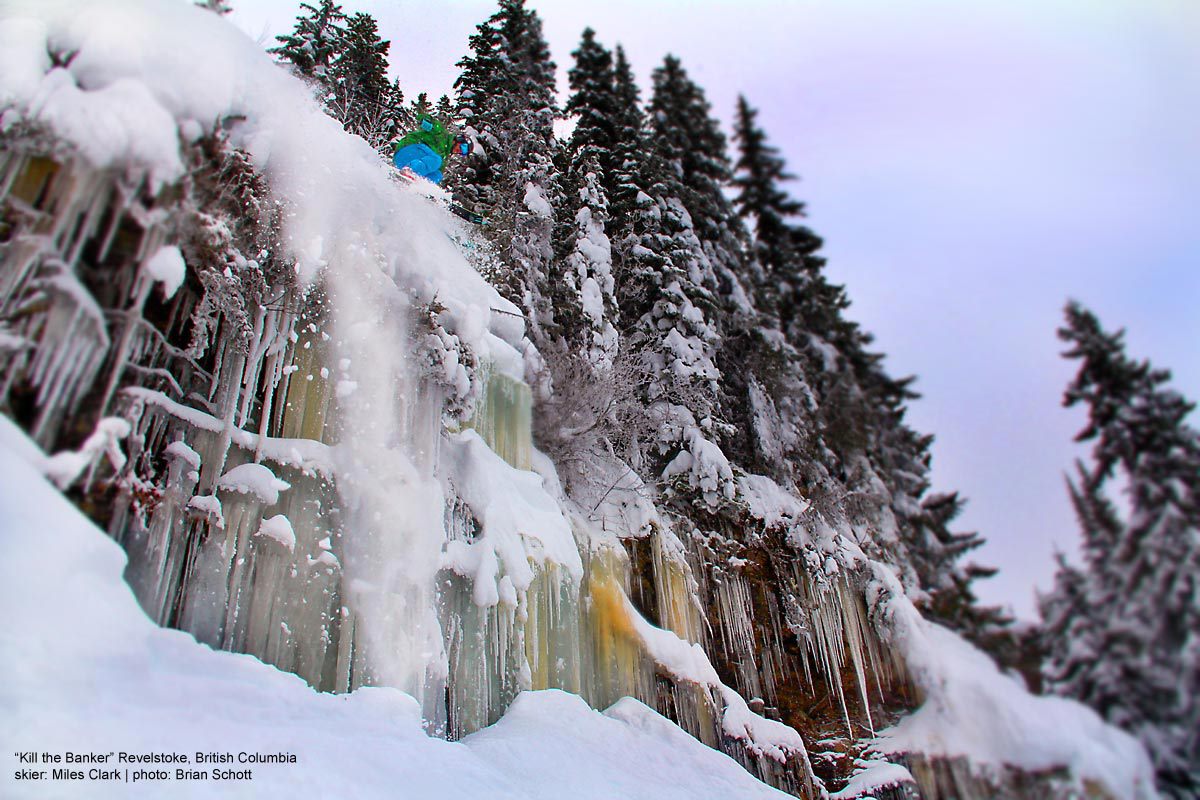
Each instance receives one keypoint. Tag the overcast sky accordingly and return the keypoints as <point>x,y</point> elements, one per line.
<point>970,165</point>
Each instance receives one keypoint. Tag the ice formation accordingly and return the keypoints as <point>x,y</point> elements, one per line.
<point>81,629</point>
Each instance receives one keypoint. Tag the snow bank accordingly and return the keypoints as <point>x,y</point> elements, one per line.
<point>628,752</point>
<point>87,671</point>
<point>973,710</point>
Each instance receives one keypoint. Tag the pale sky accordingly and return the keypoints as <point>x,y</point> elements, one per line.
<point>970,165</point>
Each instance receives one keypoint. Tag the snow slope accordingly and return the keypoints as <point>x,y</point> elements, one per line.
<point>85,670</point>
<point>972,710</point>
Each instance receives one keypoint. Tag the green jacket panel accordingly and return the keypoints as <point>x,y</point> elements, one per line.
<point>437,139</point>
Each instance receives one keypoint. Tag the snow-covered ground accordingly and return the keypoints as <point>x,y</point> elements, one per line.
<point>86,671</point>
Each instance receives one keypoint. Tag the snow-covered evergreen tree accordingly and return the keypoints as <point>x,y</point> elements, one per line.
<point>1136,659</point>
<point>506,95</point>
<point>761,200</point>
<point>779,244</point>
<point>593,102</point>
<point>345,61</point>
<point>667,300</point>
<point>691,143</point>
<point>628,127</point>
<point>360,95</point>
<point>314,43</point>
<point>587,249</point>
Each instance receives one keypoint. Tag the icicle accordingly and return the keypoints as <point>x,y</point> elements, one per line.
<point>70,350</point>
<point>121,354</point>
<point>261,341</point>
<point>503,417</point>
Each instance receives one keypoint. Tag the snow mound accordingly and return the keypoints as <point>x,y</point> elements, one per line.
<point>254,479</point>
<point>628,752</point>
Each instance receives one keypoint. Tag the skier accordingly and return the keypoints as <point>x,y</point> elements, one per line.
<point>423,151</point>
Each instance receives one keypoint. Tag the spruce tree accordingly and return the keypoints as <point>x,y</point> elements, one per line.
<point>360,96</point>
<point>316,40</point>
<point>629,144</point>
<point>690,140</point>
<point>783,249</point>
<point>936,551</point>
<point>761,200</point>
<point>421,105</point>
<point>585,304</point>
<point>586,251</point>
<point>506,95</point>
<point>593,102</point>
<point>668,309</point>
<point>1139,666</point>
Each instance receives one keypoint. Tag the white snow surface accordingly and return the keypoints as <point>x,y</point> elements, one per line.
<point>521,521</point>
<point>167,267</point>
<point>254,479</point>
<point>972,709</point>
<point>770,502</point>
<point>596,760</point>
<point>95,674</point>
<point>279,528</point>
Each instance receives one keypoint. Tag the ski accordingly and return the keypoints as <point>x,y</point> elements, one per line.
<point>468,215</point>
<point>442,200</point>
